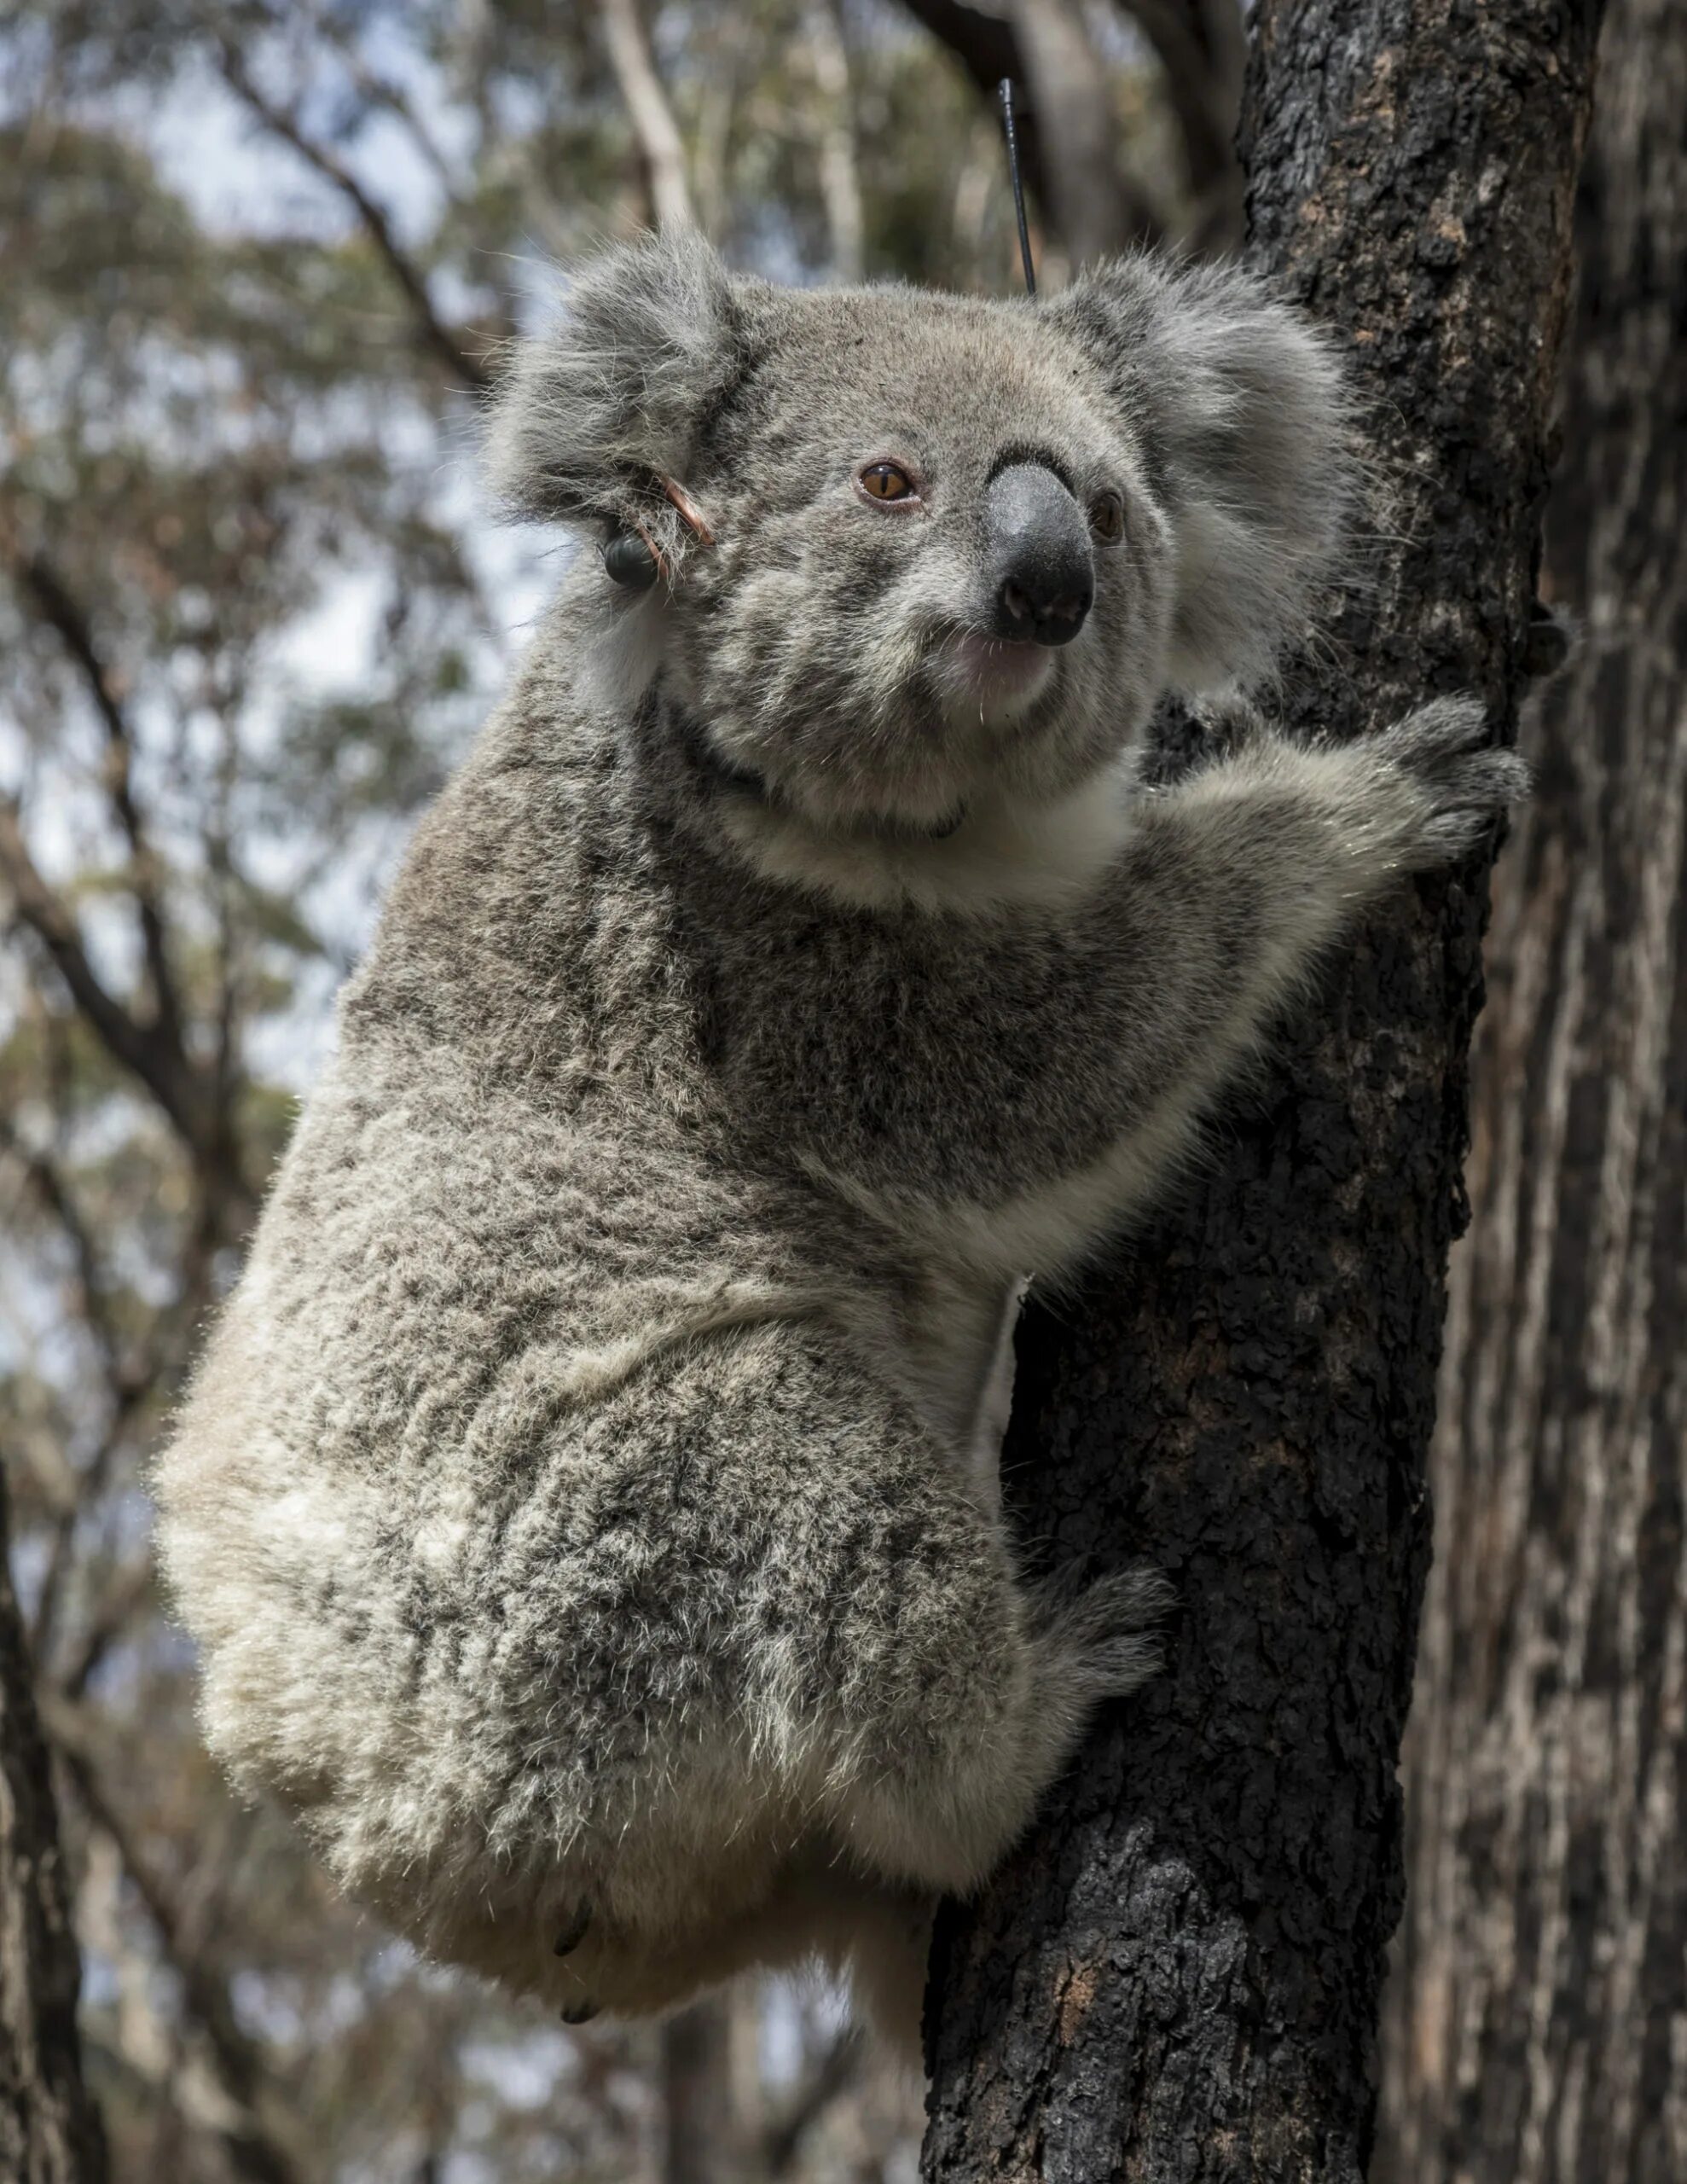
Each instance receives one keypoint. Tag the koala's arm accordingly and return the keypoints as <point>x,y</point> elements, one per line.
<point>1233,881</point>
<point>1042,1081</point>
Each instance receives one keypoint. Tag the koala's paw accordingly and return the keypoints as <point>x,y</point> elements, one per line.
<point>1106,1637</point>
<point>1461,783</point>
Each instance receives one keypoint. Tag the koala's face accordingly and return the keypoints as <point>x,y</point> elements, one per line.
<point>955,545</point>
<point>938,564</point>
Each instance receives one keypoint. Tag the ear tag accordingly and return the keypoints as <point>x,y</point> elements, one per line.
<point>632,557</point>
<point>627,560</point>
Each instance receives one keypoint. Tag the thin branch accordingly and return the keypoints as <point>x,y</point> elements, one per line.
<point>1097,208</point>
<point>989,47</point>
<point>128,1591</point>
<point>377,90</point>
<point>241,2070</point>
<point>655,132</point>
<point>839,176</point>
<point>54,1194</point>
<point>282,122</point>
<point>52,598</point>
<point>144,1050</point>
<point>831,2077</point>
<point>125,1385</point>
<point>1202,48</point>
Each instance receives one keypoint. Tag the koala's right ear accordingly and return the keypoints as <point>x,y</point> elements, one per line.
<point>1241,410</point>
<point>592,415</point>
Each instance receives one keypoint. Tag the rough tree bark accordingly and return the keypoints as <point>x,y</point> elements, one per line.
<point>1177,1976</point>
<point>49,2129</point>
<point>1537,2027</point>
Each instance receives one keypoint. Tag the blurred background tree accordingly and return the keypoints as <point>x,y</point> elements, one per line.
<point>258,263</point>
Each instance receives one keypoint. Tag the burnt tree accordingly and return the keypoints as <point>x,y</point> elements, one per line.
<point>49,2131</point>
<point>1177,1977</point>
<point>1538,2026</point>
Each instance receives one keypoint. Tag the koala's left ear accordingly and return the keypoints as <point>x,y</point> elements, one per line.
<point>1240,410</point>
<point>591,417</point>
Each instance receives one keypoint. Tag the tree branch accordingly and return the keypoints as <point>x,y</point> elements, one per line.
<point>1202,48</point>
<point>42,583</point>
<point>1065,130</point>
<point>125,1385</point>
<point>239,2063</point>
<point>431,328</point>
<point>1097,209</point>
<point>50,2127</point>
<point>655,132</point>
<point>840,180</point>
<point>54,1194</point>
<point>828,2079</point>
<point>143,1049</point>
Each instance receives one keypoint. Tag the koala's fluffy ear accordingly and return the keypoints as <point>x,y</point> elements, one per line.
<point>592,414</point>
<point>1240,408</point>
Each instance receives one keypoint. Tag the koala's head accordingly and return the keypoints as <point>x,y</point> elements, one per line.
<point>917,544</point>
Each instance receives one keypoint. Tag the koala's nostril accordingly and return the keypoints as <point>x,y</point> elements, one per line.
<point>1039,543</point>
<point>1015,604</point>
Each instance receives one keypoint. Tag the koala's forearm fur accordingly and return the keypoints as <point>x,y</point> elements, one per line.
<point>1103,1029</point>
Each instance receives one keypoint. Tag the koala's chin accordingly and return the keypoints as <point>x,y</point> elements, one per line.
<point>588,1506</point>
<point>990,681</point>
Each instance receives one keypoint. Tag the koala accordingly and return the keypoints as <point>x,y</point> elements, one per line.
<point>588,1505</point>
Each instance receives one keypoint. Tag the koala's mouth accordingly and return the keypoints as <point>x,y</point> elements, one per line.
<point>990,680</point>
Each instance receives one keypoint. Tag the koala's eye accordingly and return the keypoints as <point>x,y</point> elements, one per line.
<point>1107,517</point>
<point>886,481</point>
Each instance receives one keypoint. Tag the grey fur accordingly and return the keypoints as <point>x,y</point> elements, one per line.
<point>588,1504</point>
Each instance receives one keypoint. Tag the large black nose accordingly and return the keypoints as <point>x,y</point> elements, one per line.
<point>1041,576</point>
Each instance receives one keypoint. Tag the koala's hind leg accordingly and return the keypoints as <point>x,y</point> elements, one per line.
<point>966,1690</point>
<point>820,1910</point>
<point>948,1776</point>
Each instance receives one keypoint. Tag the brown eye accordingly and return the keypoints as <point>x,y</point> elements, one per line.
<point>887,481</point>
<point>1107,517</point>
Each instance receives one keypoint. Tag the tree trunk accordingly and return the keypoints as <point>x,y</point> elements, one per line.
<point>705,2141</point>
<point>1537,2029</point>
<point>1177,1976</point>
<point>50,2130</point>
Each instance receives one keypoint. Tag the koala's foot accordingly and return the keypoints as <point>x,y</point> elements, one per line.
<point>1463,782</point>
<point>574,1932</point>
<point>1102,1642</point>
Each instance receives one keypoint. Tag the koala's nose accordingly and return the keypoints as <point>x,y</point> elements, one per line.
<point>1042,579</point>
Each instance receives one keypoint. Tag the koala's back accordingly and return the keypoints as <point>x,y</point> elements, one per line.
<point>518,1480</point>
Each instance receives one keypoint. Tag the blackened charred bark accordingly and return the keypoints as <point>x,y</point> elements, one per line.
<point>49,2131</point>
<point>1538,2024</point>
<point>1177,1976</point>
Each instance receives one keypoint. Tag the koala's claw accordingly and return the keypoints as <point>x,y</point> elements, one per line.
<point>1549,642</point>
<point>574,1932</point>
<point>1107,1633</point>
<point>578,2013</point>
<point>1466,782</point>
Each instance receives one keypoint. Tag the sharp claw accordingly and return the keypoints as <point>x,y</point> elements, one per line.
<point>574,1932</point>
<point>578,2013</point>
